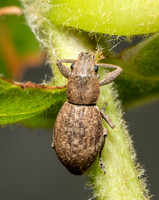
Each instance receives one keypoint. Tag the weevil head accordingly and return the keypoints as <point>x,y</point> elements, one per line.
<point>83,84</point>
<point>85,65</point>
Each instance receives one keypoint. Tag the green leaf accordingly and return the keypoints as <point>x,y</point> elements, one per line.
<point>112,17</point>
<point>18,104</point>
<point>139,81</point>
<point>46,119</point>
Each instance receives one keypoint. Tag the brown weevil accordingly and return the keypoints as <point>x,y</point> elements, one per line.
<point>79,135</point>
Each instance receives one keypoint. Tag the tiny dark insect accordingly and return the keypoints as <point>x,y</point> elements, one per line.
<point>78,135</point>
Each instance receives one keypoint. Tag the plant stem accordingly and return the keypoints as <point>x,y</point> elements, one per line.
<point>123,179</point>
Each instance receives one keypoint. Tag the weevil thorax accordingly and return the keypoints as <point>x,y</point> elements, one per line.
<point>83,84</point>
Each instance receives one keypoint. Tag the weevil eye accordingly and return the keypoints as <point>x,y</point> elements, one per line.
<point>95,68</point>
<point>72,66</point>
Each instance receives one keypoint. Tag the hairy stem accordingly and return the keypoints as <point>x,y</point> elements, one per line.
<point>123,179</point>
<point>123,175</point>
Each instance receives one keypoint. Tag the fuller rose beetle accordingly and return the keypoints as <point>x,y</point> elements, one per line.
<point>79,135</point>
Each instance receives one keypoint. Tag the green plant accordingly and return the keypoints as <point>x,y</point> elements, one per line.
<point>66,28</point>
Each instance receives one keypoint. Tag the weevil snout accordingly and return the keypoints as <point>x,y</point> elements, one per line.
<point>85,65</point>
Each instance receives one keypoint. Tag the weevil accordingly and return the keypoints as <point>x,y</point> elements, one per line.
<point>79,135</point>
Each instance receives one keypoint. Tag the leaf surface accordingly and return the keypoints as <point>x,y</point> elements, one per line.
<point>112,17</point>
<point>139,81</point>
<point>17,104</point>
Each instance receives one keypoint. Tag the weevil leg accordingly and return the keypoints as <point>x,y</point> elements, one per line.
<point>52,145</point>
<point>65,71</point>
<point>101,164</point>
<point>68,61</point>
<point>104,107</point>
<point>111,75</point>
<point>107,118</point>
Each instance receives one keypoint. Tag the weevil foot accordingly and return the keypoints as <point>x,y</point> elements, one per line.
<point>101,165</point>
<point>52,145</point>
<point>104,107</point>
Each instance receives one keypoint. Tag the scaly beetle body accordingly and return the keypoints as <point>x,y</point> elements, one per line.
<point>79,135</point>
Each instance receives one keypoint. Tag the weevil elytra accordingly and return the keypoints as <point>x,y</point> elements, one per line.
<point>79,135</point>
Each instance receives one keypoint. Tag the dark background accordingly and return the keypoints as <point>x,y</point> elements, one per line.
<point>30,170</point>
